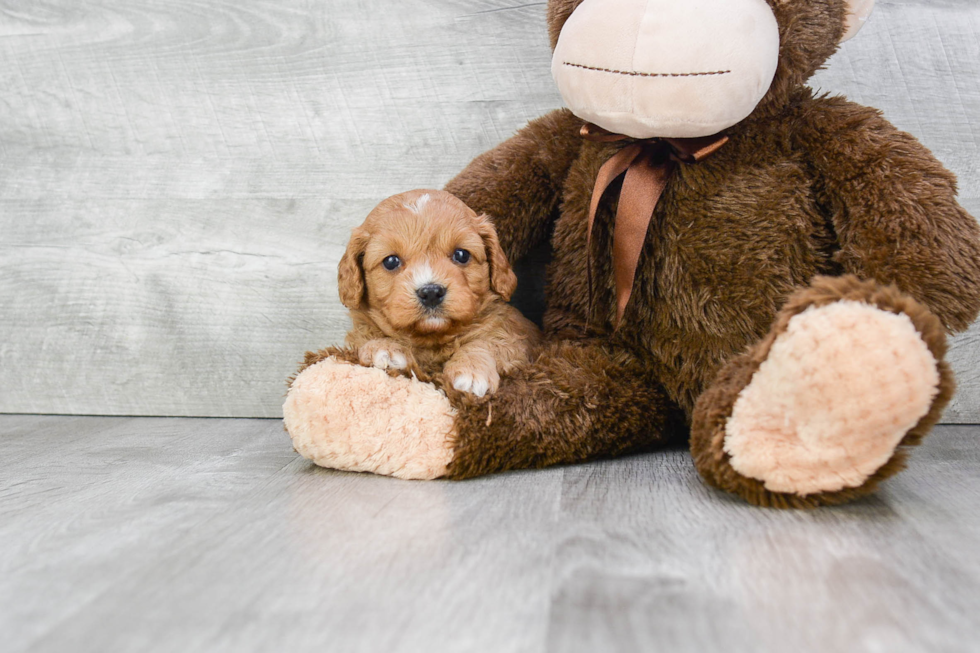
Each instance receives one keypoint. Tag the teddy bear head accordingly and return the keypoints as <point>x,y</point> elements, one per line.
<point>690,68</point>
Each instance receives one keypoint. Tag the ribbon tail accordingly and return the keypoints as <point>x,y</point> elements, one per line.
<point>610,170</point>
<point>644,184</point>
<point>597,134</point>
<point>695,150</point>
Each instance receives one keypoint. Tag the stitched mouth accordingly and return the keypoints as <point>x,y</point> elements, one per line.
<point>637,73</point>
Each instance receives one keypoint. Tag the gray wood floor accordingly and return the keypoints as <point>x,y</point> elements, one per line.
<point>167,534</point>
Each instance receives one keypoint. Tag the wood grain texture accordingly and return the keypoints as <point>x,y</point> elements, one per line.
<point>168,534</point>
<point>177,182</point>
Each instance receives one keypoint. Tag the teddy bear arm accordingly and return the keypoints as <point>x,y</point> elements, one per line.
<point>518,183</point>
<point>894,210</point>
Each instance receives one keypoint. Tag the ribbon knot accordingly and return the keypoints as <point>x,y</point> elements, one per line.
<point>648,165</point>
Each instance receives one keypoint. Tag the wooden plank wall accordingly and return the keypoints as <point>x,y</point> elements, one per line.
<point>178,181</point>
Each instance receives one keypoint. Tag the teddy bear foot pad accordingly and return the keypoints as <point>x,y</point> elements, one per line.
<point>837,393</point>
<point>360,419</point>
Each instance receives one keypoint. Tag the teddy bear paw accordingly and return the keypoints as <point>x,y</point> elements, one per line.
<point>361,419</point>
<point>839,390</point>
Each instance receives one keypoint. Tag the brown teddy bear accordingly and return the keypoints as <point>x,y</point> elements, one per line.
<point>735,261</point>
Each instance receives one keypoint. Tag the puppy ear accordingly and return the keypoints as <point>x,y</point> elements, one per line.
<point>350,273</point>
<point>503,281</point>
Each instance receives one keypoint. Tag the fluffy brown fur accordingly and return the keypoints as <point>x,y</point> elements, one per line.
<point>807,186</point>
<point>471,335</point>
<point>813,200</point>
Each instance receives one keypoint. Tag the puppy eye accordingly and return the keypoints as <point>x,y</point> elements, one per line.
<point>461,256</point>
<point>391,262</point>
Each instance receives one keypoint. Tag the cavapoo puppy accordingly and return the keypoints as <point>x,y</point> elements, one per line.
<point>427,283</point>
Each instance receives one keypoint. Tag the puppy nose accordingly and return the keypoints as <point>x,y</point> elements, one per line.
<point>431,295</point>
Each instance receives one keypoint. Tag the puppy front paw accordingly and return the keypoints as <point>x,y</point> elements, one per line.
<point>383,353</point>
<point>476,375</point>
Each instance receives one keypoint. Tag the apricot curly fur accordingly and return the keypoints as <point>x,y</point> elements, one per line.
<point>471,331</point>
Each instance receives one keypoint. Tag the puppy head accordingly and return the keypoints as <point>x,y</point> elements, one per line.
<point>423,263</point>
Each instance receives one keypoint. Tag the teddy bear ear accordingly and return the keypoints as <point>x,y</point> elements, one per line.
<point>857,13</point>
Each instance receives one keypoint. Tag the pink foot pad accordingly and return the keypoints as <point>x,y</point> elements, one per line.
<point>361,419</point>
<point>836,395</point>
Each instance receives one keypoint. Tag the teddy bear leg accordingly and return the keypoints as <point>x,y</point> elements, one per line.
<point>576,402</point>
<point>819,411</point>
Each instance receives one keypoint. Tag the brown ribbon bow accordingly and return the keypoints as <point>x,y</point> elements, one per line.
<point>648,165</point>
